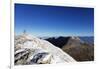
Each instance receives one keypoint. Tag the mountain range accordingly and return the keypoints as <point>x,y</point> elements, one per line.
<point>80,48</point>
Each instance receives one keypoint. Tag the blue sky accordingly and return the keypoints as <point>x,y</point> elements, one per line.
<point>46,20</point>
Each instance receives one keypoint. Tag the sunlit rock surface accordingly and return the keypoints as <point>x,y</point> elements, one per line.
<point>32,50</point>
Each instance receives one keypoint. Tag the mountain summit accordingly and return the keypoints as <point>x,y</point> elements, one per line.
<point>74,41</point>
<point>32,50</point>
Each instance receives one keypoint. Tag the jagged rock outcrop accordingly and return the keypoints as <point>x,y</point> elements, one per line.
<point>32,50</point>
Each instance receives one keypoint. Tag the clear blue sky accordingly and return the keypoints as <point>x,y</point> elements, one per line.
<point>42,20</point>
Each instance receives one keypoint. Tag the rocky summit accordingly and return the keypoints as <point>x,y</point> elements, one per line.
<point>32,50</point>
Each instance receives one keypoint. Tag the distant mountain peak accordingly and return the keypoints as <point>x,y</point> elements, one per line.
<point>73,41</point>
<point>75,38</point>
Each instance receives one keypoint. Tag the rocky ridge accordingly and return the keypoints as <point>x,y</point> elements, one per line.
<point>32,50</point>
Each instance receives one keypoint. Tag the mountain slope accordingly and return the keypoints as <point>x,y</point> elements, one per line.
<point>59,42</point>
<point>73,41</point>
<point>79,50</point>
<point>32,50</point>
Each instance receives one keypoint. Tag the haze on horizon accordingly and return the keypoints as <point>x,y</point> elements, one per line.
<point>46,20</point>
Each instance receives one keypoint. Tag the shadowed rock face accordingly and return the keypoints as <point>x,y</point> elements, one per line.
<point>32,50</point>
<point>30,56</point>
<point>59,42</point>
<point>39,58</point>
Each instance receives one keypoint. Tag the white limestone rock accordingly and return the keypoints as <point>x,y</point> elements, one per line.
<point>32,50</point>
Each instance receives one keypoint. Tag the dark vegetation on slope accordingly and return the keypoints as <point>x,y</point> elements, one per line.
<point>59,42</point>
